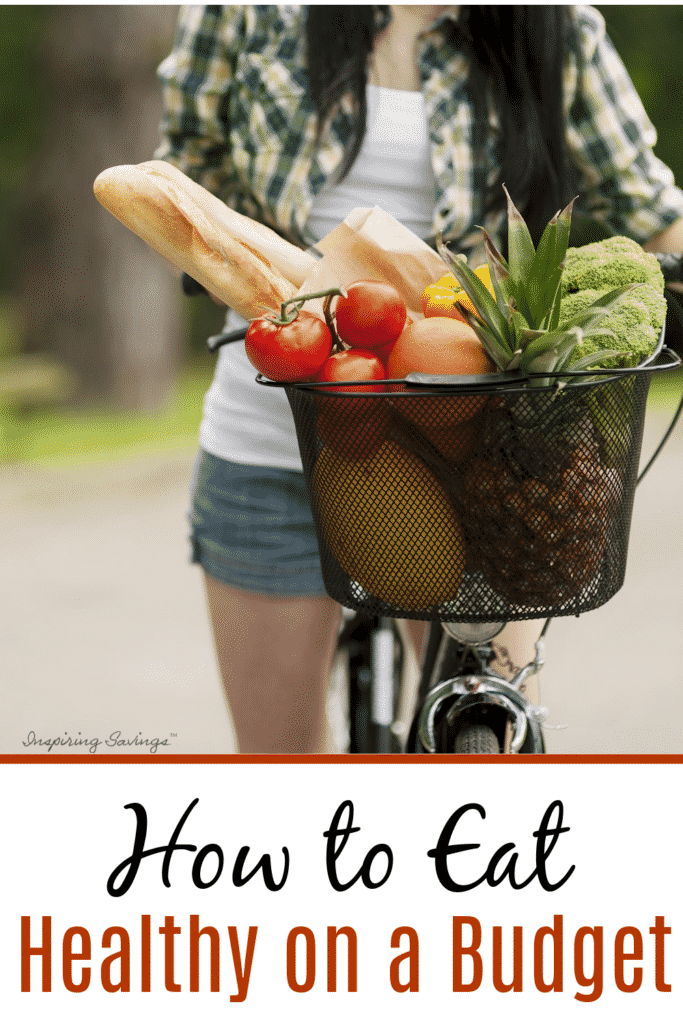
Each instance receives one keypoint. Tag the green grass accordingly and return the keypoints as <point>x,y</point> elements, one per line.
<point>666,389</point>
<point>65,436</point>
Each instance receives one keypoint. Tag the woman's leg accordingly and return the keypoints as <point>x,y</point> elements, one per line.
<point>274,655</point>
<point>515,647</point>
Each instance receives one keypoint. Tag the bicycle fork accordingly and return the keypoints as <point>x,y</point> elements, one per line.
<point>475,693</point>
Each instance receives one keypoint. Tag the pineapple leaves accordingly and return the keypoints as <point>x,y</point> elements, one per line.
<point>554,358</point>
<point>519,325</point>
<point>496,348</point>
<point>520,246</point>
<point>484,303</point>
<point>500,273</point>
<point>551,321</point>
<point>544,270</point>
<point>597,357</point>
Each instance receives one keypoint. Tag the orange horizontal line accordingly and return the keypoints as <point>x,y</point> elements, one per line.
<point>423,759</point>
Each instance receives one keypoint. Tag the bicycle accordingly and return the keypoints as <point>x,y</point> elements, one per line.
<point>463,705</point>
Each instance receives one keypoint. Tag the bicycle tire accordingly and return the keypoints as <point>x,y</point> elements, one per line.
<point>476,738</point>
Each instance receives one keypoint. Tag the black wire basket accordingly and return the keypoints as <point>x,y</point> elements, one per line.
<point>475,499</point>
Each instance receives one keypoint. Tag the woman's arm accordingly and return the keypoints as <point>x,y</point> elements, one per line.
<point>610,140</point>
<point>195,80</point>
<point>669,240</point>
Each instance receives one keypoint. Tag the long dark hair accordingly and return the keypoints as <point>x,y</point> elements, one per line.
<point>516,55</point>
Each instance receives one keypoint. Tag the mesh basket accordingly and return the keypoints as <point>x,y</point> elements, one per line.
<point>487,501</point>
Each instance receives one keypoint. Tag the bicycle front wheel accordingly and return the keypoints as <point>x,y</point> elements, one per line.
<point>476,739</point>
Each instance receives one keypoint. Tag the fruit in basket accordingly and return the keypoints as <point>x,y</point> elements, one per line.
<point>390,525</point>
<point>442,446</point>
<point>538,496</point>
<point>537,532</point>
<point>520,326</point>
<point>288,350</point>
<point>385,350</point>
<point>442,297</point>
<point>352,364</point>
<point>370,315</point>
<point>453,440</point>
<point>352,427</point>
<point>437,345</point>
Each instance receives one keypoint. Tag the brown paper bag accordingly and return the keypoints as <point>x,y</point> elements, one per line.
<point>371,244</point>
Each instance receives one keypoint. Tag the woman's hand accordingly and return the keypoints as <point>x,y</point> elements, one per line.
<point>669,240</point>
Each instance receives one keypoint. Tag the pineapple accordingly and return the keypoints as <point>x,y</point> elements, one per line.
<point>536,497</point>
<point>518,326</point>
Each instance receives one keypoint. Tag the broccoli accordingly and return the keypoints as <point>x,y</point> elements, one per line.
<point>636,324</point>
<point>593,270</point>
<point>609,264</point>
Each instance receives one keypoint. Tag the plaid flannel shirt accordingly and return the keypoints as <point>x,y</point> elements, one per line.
<point>238,118</point>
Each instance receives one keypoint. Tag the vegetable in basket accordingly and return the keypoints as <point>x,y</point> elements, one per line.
<point>591,271</point>
<point>537,498</point>
<point>293,346</point>
<point>636,323</point>
<point>442,297</point>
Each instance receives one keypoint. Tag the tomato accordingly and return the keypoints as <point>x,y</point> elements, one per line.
<point>353,427</point>
<point>352,364</point>
<point>288,352</point>
<point>372,314</point>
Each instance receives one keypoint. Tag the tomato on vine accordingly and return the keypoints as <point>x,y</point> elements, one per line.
<point>370,315</point>
<point>354,364</point>
<point>352,427</point>
<point>288,352</point>
<point>293,345</point>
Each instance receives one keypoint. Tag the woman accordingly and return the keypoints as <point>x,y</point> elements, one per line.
<point>296,115</point>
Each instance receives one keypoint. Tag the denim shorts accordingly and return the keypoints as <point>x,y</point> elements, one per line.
<point>251,527</point>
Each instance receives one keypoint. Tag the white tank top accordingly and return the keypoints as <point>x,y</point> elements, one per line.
<point>248,423</point>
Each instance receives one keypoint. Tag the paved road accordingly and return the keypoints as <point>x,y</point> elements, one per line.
<point>103,630</point>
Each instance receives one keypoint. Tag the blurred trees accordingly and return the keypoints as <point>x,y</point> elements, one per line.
<point>22,119</point>
<point>87,288</point>
<point>649,40</point>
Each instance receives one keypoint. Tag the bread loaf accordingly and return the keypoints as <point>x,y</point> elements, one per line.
<point>292,262</point>
<point>182,225</point>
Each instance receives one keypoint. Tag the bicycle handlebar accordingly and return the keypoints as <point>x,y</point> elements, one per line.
<point>226,338</point>
<point>671,266</point>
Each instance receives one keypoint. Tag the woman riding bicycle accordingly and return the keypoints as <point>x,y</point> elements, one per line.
<point>296,115</point>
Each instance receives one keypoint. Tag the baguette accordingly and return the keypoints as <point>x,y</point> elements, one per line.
<point>292,262</point>
<point>169,219</point>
